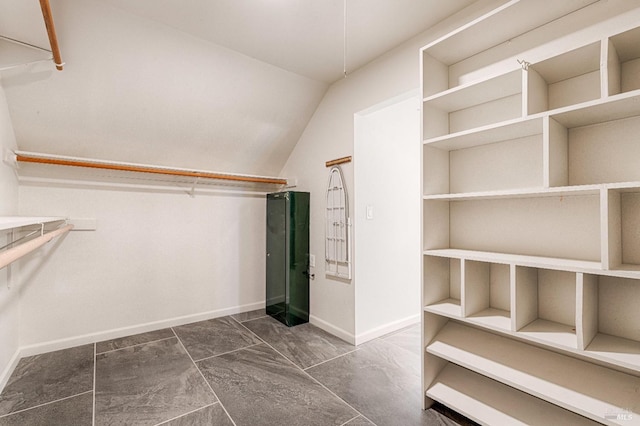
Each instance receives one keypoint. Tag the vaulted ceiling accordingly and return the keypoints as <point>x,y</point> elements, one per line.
<point>226,85</point>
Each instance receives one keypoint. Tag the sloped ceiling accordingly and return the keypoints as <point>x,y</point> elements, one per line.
<point>224,85</point>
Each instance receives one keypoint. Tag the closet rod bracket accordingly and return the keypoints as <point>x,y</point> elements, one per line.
<point>192,192</point>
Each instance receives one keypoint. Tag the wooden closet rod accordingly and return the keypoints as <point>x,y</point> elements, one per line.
<point>338,161</point>
<point>148,169</point>
<point>51,32</point>
<point>16,253</point>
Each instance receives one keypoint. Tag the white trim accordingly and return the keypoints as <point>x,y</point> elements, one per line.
<point>386,329</point>
<point>54,345</point>
<point>332,329</point>
<point>8,371</point>
<point>359,120</point>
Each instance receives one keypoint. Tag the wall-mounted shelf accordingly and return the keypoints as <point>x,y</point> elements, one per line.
<point>14,222</point>
<point>51,168</point>
<point>14,53</point>
<point>20,247</point>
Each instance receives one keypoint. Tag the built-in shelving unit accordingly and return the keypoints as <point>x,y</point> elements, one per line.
<point>531,211</point>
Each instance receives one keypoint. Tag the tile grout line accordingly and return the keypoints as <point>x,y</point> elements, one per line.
<point>311,377</point>
<point>95,367</point>
<point>350,420</point>
<point>137,344</point>
<point>395,345</point>
<point>318,382</point>
<point>203,378</point>
<point>252,319</point>
<point>228,352</point>
<point>43,404</point>
<point>334,358</point>
<point>186,414</point>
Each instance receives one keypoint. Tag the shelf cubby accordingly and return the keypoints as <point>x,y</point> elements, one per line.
<point>553,226</point>
<point>497,157</point>
<point>567,79</point>
<point>622,250</point>
<point>443,294</point>
<point>545,226</point>
<point>550,376</point>
<point>435,211</point>
<point>470,53</point>
<point>481,103</point>
<point>608,322</point>
<point>623,62</point>
<point>486,294</point>
<point>597,144</point>
<point>545,306</point>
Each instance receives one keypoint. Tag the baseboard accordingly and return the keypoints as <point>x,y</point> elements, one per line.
<point>332,329</point>
<point>54,345</point>
<point>361,338</point>
<point>8,371</point>
<point>70,342</point>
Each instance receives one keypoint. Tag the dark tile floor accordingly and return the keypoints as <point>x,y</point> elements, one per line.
<point>246,369</point>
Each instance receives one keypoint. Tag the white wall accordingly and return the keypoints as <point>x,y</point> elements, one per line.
<point>140,91</point>
<point>156,259</point>
<point>9,303</point>
<point>330,135</point>
<point>387,185</point>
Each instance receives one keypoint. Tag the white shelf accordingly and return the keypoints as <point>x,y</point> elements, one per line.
<point>558,191</point>
<point>508,259</point>
<point>616,107</point>
<point>13,222</point>
<point>15,53</point>
<point>448,307</point>
<point>492,318</point>
<point>476,93</point>
<point>623,352</point>
<point>551,333</point>
<point>589,267</point>
<point>494,27</point>
<point>542,373</point>
<point>492,133</point>
<point>489,402</point>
